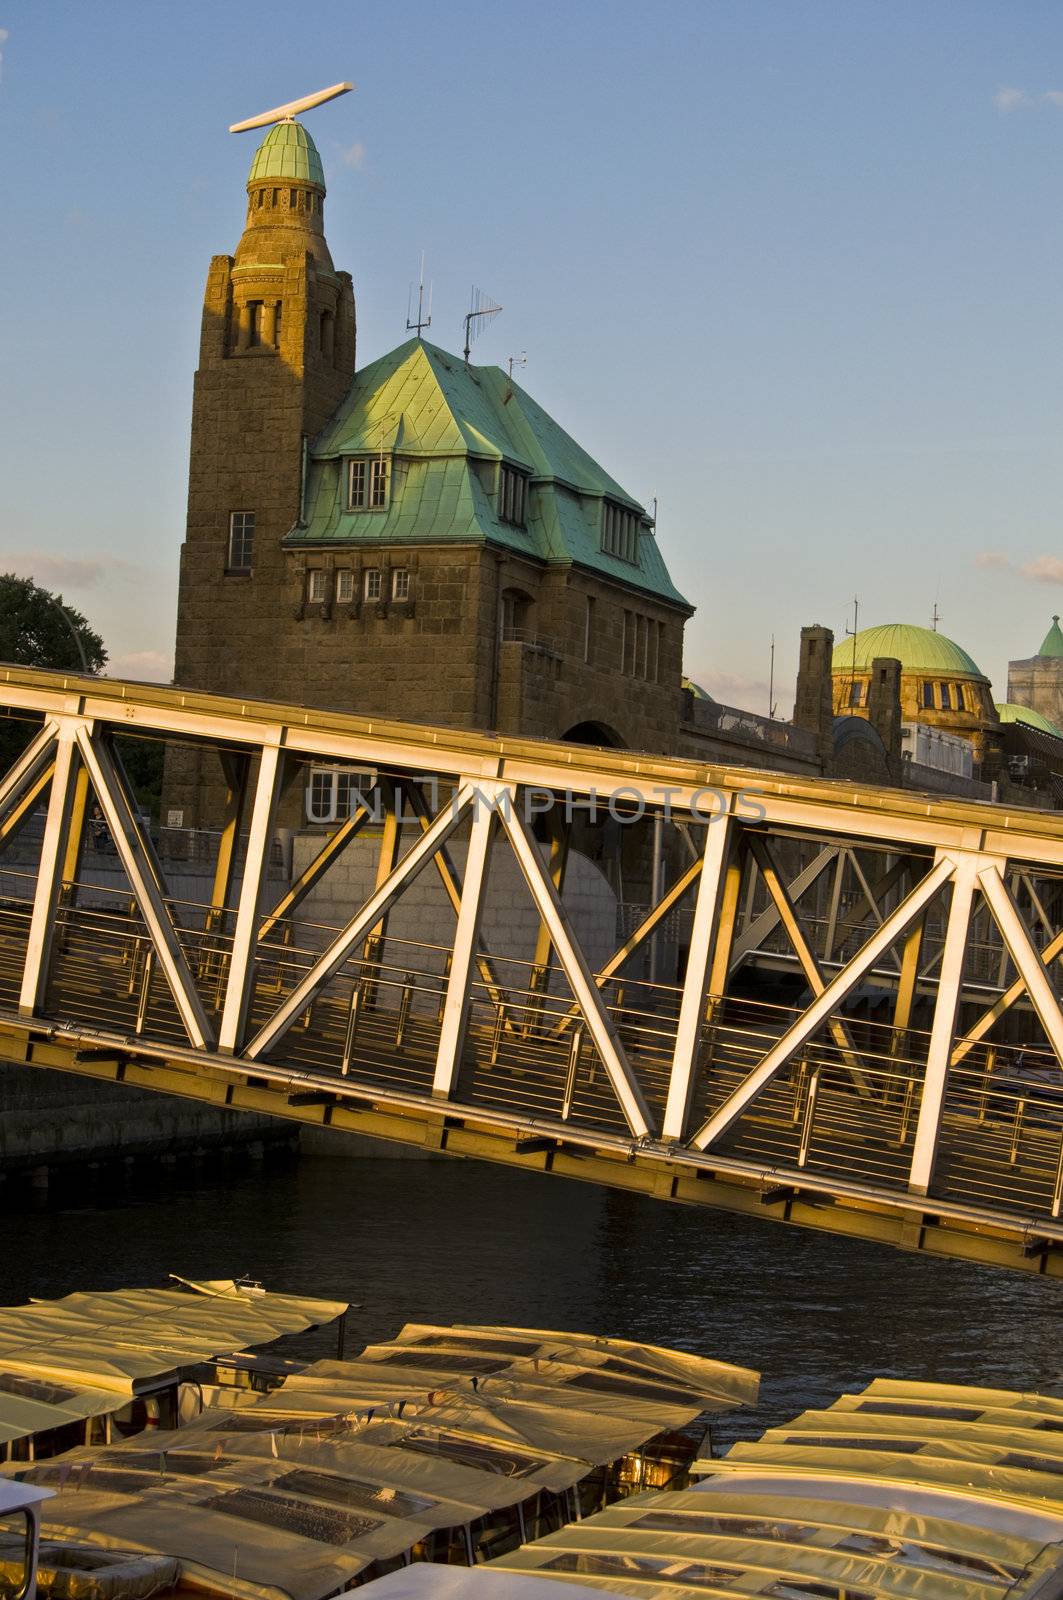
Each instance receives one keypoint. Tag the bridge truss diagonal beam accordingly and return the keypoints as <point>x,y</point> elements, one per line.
<point>896,924</point>
<point>368,917</point>
<point>580,979</point>
<point>803,950</point>
<point>1029,962</point>
<point>252,886</point>
<point>142,870</point>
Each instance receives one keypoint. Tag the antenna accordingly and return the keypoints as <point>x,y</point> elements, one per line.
<point>771,681</point>
<point>852,633</point>
<point>517,361</point>
<point>482,309</point>
<point>292,109</point>
<point>935,618</point>
<point>422,320</point>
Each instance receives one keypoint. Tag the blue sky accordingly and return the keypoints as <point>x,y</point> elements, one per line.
<point>791,266</point>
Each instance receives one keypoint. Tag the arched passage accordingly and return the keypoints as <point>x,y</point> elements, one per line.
<point>596,733</point>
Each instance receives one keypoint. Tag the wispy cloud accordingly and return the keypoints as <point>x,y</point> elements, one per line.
<point>1043,569</point>
<point>1007,98</point>
<point>150,666</point>
<point>354,155</point>
<point>993,560</point>
<point>68,572</point>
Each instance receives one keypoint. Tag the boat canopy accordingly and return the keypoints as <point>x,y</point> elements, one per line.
<point>88,1354</point>
<point>909,1490</point>
<point>355,1462</point>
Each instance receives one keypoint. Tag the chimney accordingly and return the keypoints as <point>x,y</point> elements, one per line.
<point>813,707</point>
<point>884,709</point>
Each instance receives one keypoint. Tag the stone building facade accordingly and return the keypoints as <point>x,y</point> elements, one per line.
<point>1037,681</point>
<point>416,539</point>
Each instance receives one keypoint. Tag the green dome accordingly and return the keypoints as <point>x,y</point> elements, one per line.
<point>1053,645</point>
<point>696,690</point>
<point>287,152</point>
<point>917,650</point>
<point>1009,712</point>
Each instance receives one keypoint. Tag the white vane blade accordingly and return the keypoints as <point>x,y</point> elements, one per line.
<point>293,108</point>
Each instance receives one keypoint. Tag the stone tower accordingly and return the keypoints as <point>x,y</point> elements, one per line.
<point>1037,681</point>
<point>276,356</point>
<point>813,706</point>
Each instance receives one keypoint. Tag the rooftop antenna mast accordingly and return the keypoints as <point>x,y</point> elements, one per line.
<point>289,112</point>
<point>482,309</point>
<point>771,681</point>
<point>422,320</point>
<point>935,618</point>
<point>852,633</point>
<point>517,361</point>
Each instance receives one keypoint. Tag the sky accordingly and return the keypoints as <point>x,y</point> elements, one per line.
<point>790,267</point>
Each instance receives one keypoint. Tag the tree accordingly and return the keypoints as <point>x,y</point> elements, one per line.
<point>37,629</point>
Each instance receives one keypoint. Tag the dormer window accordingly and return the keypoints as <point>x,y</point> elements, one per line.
<point>511,496</point>
<point>367,484</point>
<point>620,532</point>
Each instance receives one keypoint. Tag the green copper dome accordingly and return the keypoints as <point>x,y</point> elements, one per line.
<point>287,152</point>
<point>1053,645</point>
<point>1009,712</point>
<point>917,650</point>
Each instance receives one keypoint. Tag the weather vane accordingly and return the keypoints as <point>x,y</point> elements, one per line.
<point>292,109</point>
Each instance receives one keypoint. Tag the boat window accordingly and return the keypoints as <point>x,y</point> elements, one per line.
<point>787,1589</point>
<point>294,1516</point>
<point>660,1569</point>
<point>16,1552</point>
<point>351,1492</point>
<point>487,1341</point>
<point>727,1527</point>
<point>188,1463</point>
<point>601,1383</point>
<point>500,1459</point>
<point>316,1427</point>
<point>901,1553</point>
<point>49,1394</point>
<point>913,1408</point>
<point>837,1441</point>
<point>1049,1425</point>
<point>445,1361</point>
<point>75,1476</point>
<point>1031,1463</point>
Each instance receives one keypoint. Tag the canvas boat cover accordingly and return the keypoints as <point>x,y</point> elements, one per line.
<point>87,1354</point>
<point>911,1491</point>
<point>352,1462</point>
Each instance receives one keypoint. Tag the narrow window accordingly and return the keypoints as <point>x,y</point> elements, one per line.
<point>856,692</point>
<point>373,587</point>
<point>254,336</point>
<point>620,532</point>
<point>400,583</point>
<point>316,585</point>
<point>261,195</point>
<point>241,541</point>
<point>658,644</point>
<point>344,586</point>
<point>588,628</point>
<point>928,697</point>
<point>378,490</point>
<point>277,325</point>
<point>357,481</point>
<point>643,667</point>
<point>946,700</point>
<point>961,703</point>
<point>291,199</point>
<point>511,496</point>
<point>321,796</point>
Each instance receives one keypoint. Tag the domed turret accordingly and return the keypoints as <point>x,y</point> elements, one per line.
<point>285,200</point>
<point>940,684</point>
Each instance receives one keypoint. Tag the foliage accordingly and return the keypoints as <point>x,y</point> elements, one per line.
<point>37,629</point>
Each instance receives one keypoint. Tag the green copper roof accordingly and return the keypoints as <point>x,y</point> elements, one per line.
<point>1007,711</point>
<point>1053,642</point>
<point>917,650</point>
<point>446,425</point>
<point>287,151</point>
<point>696,690</point>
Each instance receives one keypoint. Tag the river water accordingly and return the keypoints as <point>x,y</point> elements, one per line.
<point>446,1240</point>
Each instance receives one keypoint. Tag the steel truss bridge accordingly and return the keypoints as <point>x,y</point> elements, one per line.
<point>865,1035</point>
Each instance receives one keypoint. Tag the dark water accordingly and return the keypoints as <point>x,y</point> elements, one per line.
<point>448,1241</point>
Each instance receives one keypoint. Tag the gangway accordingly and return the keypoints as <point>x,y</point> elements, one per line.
<point>902,1083</point>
